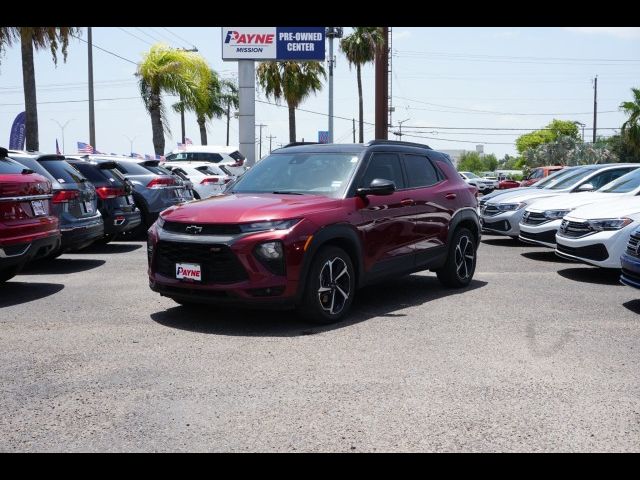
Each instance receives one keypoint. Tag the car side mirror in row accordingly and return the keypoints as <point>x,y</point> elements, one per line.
<point>586,187</point>
<point>378,186</point>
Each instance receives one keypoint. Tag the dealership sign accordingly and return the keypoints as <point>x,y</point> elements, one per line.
<point>273,43</point>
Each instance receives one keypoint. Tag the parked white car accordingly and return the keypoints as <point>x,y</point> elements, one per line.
<point>483,186</point>
<point>542,219</point>
<point>208,179</point>
<point>219,154</point>
<point>503,214</point>
<point>598,233</point>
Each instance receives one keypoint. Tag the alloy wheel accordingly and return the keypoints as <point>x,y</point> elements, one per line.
<point>335,286</point>
<point>464,257</point>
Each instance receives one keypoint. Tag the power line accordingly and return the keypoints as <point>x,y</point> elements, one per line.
<point>150,36</point>
<point>106,51</point>
<point>79,101</point>
<point>459,141</point>
<point>311,111</point>
<point>187,42</point>
<point>494,128</point>
<point>134,36</point>
<point>160,35</point>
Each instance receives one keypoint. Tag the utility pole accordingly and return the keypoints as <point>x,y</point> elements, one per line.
<point>62,127</point>
<point>595,107</point>
<point>194,49</point>
<point>270,137</point>
<point>399,133</point>
<point>260,151</point>
<point>92,119</point>
<point>382,87</point>
<point>354,130</point>
<point>332,32</point>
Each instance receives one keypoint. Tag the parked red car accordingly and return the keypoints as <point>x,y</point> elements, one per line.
<point>28,229</point>
<point>309,224</point>
<point>539,173</point>
<point>507,183</point>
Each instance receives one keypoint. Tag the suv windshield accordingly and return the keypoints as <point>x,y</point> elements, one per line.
<point>571,179</point>
<point>624,184</point>
<point>312,173</point>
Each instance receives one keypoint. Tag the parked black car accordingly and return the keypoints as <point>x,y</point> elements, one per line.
<point>115,200</point>
<point>74,200</point>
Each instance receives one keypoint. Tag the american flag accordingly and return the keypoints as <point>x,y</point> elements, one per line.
<point>181,146</point>
<point>161,158</point>
<point>84,148</point>
<point>188,141</point>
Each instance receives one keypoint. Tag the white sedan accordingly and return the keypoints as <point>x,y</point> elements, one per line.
<point>208,178</point>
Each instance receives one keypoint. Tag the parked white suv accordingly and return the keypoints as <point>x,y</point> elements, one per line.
<point>208,179</point>
<point>218,154</point>
<point>502,215</point>
<point>542,219</point>
<point>483,186</point>
<point>598,233</point>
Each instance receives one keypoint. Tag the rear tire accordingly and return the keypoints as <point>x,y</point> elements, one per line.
<point>458,270</point>
<point>330,287</point>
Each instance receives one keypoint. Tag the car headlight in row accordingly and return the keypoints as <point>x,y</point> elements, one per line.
<point>555,214</point>
<point>609,223</point>
<point>266,226</point>
<point>510,207</point>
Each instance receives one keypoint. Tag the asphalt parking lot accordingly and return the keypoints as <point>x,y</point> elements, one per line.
<point>539,354</point>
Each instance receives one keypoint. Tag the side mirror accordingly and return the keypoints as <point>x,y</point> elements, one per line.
<point>586,187</point>
<point>378,186</point>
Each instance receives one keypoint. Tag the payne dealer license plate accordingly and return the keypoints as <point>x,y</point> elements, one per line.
<point>188,271</point>
<point>39,208</point>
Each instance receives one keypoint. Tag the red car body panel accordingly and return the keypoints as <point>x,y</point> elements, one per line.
<point>504,184</point>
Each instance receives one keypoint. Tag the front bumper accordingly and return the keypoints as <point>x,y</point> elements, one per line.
<point>602,249</point>
<point>506,223</point>
<point>543,234</point>
<point>630,270</point>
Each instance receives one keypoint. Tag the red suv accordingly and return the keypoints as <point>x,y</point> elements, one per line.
<point>28,229</point>
<point>309,224</point>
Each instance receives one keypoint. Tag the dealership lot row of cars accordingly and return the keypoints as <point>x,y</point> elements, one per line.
<point>588,214</point>
<point>50,204</point>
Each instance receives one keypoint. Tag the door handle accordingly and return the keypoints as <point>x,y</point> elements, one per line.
<point>450,196</point>
<point>407,202</point>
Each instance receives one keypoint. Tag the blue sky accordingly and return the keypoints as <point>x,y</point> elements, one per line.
<point>442,78</point>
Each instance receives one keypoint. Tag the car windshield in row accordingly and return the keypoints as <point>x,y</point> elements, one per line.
<point>311,173</point>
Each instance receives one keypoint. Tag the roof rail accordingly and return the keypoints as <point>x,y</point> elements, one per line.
<point>295,144</point>
<point>398,142</point>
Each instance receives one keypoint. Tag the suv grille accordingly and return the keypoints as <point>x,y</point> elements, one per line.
<point>219,264</point>
<point>574,229</point>
<point>534,218</point>
<point>633,246</point>
<point>206,229</point>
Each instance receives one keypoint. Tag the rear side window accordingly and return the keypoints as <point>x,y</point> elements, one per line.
<point>131,168</point>
<point>158,170</point>
<point>384,166</point>
<point>33,164</point>
<point>609,176</point>
<point>9,166</point>
<point>237,155</point>
<point>195,157</point>
<point>99,176</point>
<point>420,171</point>
<point>62,171</point>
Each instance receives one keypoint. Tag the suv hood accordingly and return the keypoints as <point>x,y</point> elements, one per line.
<point>249,207</point>
<point>618,207</point>
<point>571,200</point>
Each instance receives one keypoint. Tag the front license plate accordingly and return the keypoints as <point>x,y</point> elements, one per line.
<point>39,207</point>
<point>188,271</point>
<point>130,199</point>
<point>88,206</point>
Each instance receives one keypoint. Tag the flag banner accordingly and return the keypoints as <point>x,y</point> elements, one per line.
<point>18,132</point>
<point>84,148</point>
<point>187,141</point>
<point>323,136</point>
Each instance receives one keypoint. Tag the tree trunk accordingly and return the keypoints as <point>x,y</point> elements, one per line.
<point>360,110</point>
<point>156,123</point>
<point>29,84</point>
<point>292,124</point>
<point>228,119</point>
<point>203,130</point>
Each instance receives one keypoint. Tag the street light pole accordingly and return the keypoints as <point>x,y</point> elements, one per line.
<point>332,32</point>
<point>62,127</point>
<point>399,133</point>
<point>130,141</point>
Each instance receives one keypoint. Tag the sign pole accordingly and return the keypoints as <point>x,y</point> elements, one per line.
<point>247,109</point>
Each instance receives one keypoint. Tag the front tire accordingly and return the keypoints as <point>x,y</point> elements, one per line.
<point>330,287</point>
<point>461,262</point>
<point>8,273</point>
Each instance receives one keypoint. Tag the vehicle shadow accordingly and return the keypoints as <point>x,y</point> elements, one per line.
<point>15,293</point>
<point>382,300</point>
<point>600,276</point>
<point>546,256</point>
<point>109,248</point>
<point>60,265</point>
<point>502,241</point>
<point>633,305</point>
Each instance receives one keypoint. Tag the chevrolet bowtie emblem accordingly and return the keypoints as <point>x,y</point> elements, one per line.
<point>193,229</point>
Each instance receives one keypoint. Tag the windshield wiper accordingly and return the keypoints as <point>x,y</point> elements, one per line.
<point>285,192</point>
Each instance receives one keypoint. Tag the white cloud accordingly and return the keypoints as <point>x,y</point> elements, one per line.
<point>620,32</point>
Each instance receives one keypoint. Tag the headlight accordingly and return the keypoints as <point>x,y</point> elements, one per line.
<point>555,214</point>
<point>270,250</point>
<point>509,207</point>
<point>265,226</point>
<point>609,223</point>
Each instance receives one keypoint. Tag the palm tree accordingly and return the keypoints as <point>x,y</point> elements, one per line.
<point>205,108</point>
<point>631,128</point>
<point>229,98</point>
<point>360,47</point>
<point>35,38</point>
<point>293,81</point>
<point>178,72</point>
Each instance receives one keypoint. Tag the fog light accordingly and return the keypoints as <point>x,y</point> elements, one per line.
<point>270,250</point>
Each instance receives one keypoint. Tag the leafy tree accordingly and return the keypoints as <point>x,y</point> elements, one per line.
<point>620,147</point>
<point>293,81</point>
<point>554,130</point>
<point>35,38</point>
<point>631,128</point>
<point>489,162</point>
<point>168,70</point>
<point>360,48</point>
<point>470,162</point>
